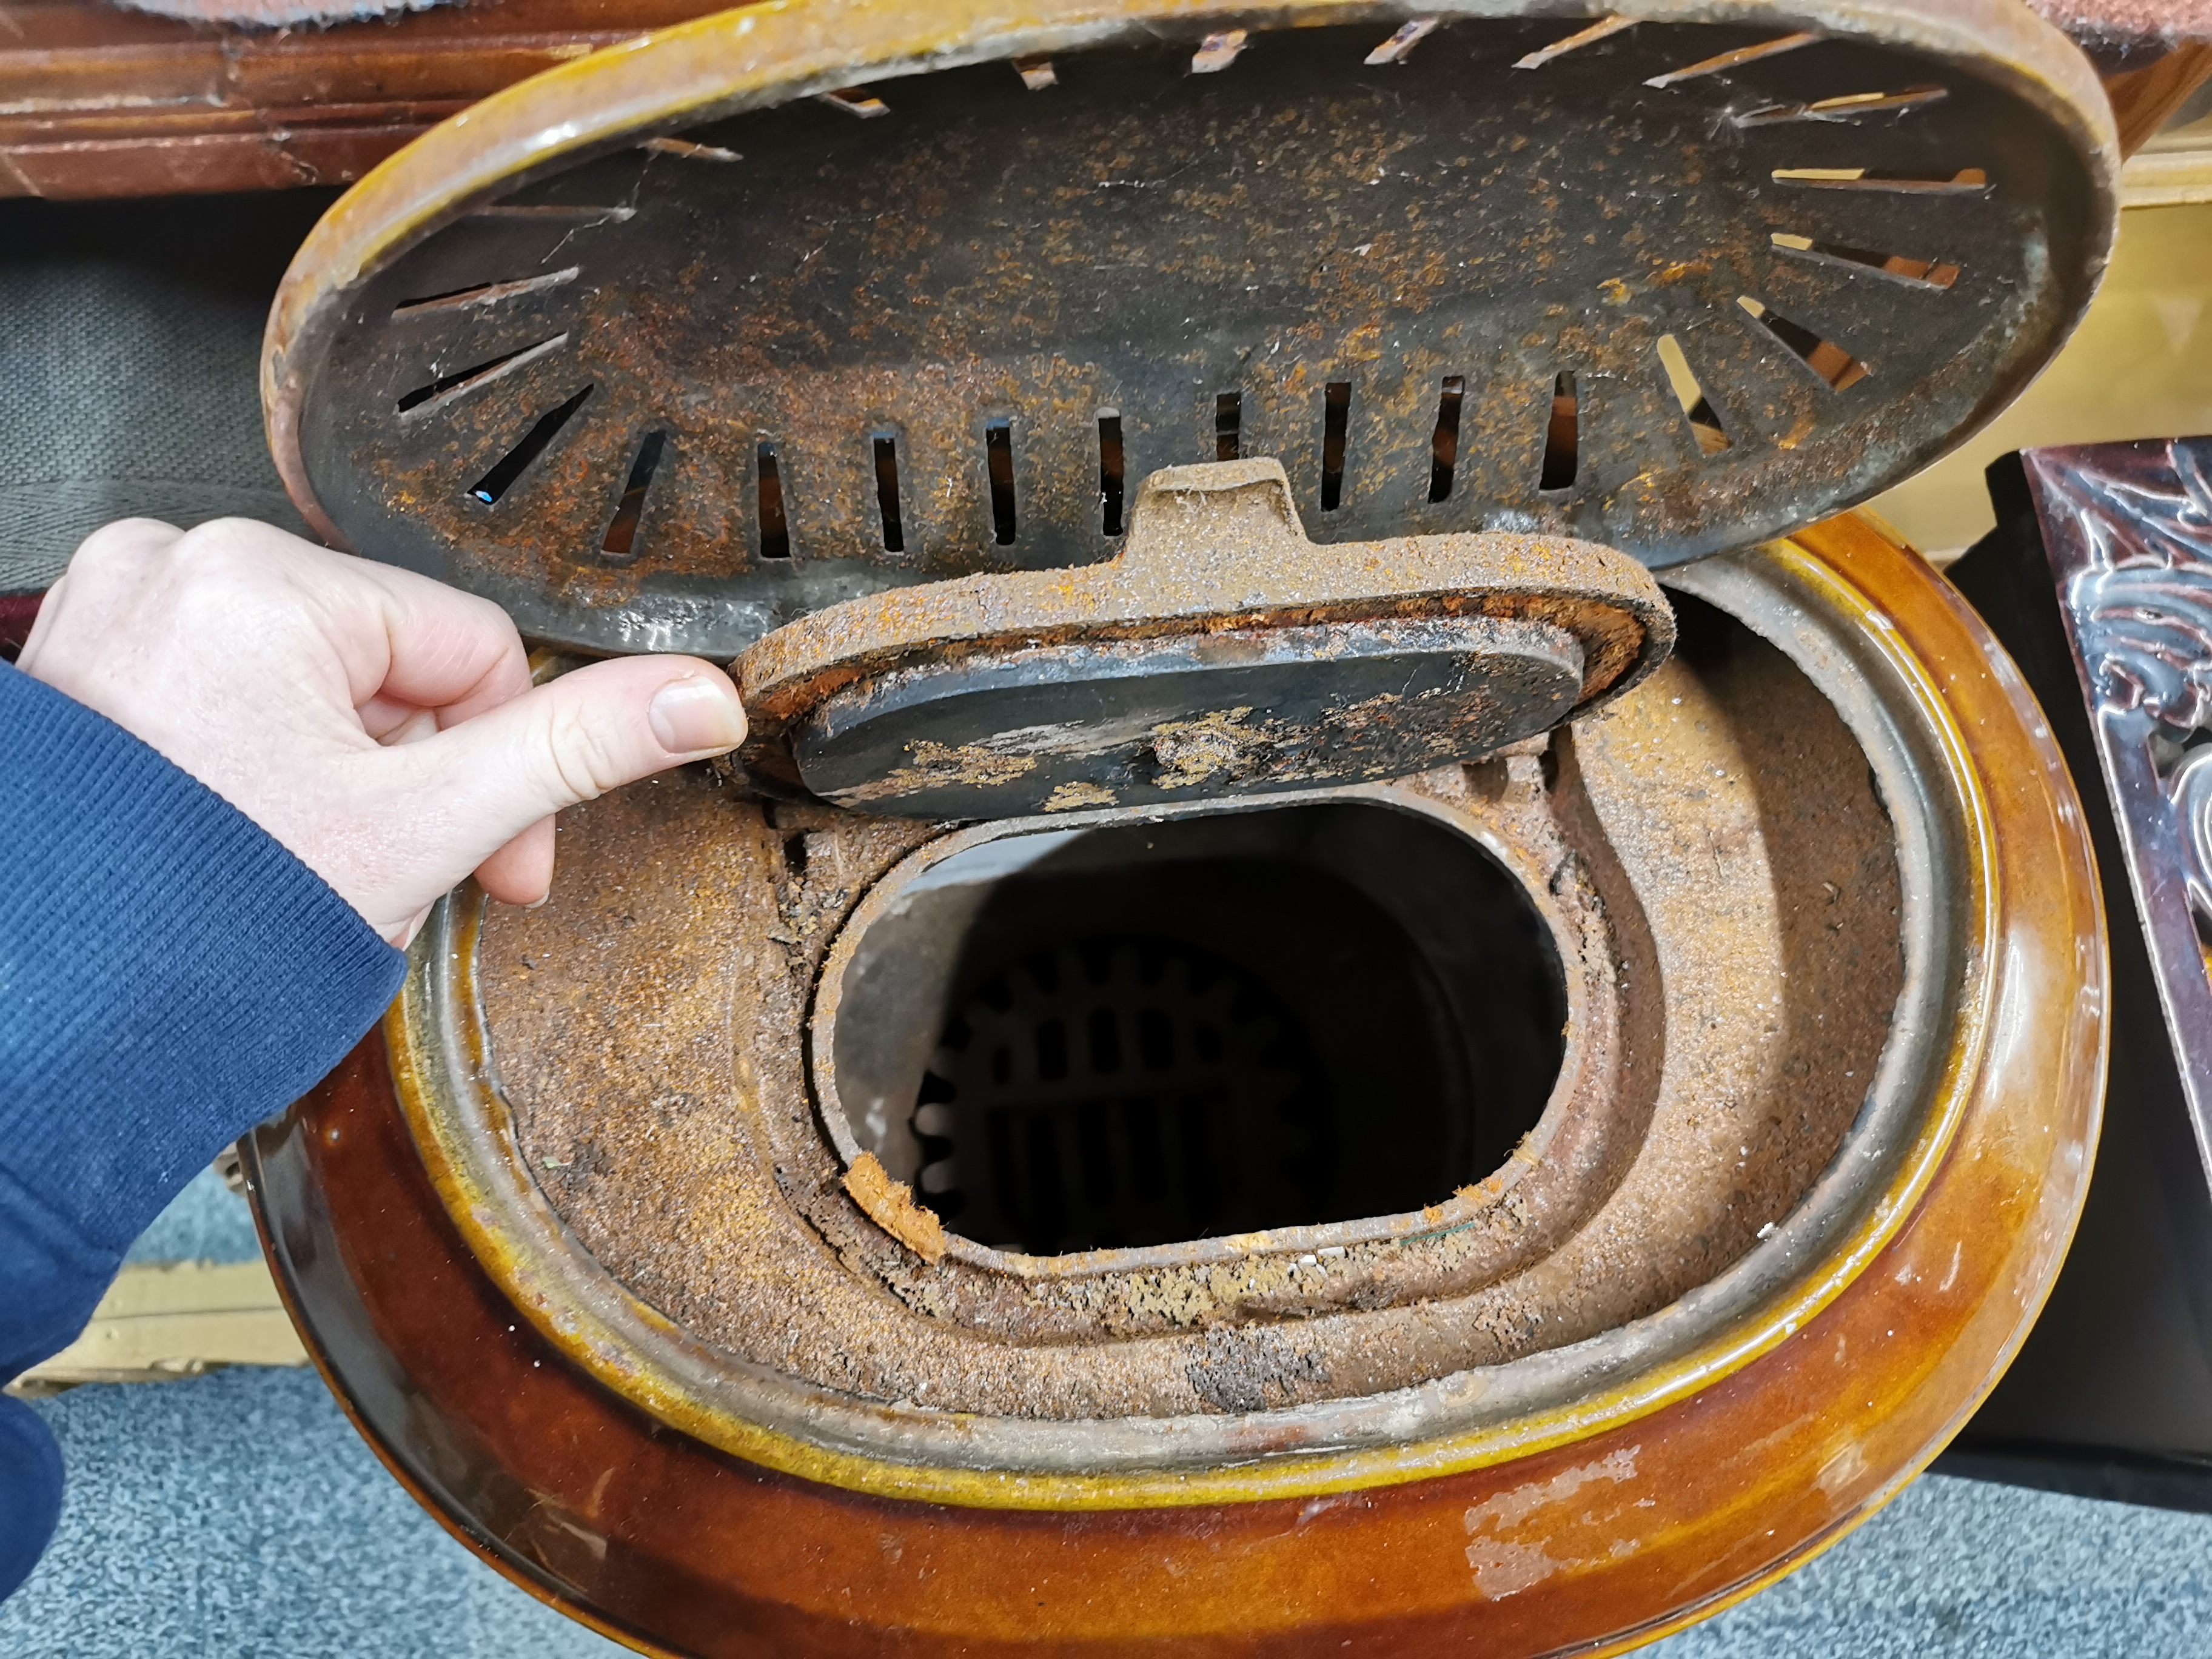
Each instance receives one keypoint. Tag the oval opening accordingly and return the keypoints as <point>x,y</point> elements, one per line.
<point>1130,1035</point>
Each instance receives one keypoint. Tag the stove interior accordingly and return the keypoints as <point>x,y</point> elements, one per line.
<point>1095,1038</point>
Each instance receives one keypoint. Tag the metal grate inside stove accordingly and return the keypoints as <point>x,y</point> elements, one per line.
<point>1116,1092</point>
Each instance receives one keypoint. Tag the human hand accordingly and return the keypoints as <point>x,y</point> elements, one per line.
<point>380,725</point>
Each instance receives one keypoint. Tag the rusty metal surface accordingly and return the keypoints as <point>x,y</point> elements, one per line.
<point>1471,1223</point>
<point>1718,826</point>
<point>943,1328</point>
<point>1774,282</point>
<point>1221,650</point>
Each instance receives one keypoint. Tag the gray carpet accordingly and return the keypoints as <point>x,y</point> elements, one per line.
<point>207,1222</point>
<point>129,359</point>
<point>238,1513</point>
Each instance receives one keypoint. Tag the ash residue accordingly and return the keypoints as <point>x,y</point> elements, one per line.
<point>1252,1371</point>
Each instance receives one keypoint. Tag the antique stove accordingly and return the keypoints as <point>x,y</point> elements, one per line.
<point>1270,1047</point>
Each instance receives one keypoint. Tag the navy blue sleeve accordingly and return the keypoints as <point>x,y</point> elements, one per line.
<point>169,976</point>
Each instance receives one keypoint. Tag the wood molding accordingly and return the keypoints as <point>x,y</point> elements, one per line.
<point>98,101</point>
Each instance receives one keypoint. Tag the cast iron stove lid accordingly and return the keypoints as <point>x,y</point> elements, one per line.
<point>864,339</point>
<point>672,345</point>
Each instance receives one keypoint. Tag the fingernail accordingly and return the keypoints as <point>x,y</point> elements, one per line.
<point>697,716</point>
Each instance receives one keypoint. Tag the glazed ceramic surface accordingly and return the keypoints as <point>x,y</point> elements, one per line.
<point>1589,1524</point>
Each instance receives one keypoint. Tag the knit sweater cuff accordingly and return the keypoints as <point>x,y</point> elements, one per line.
<point>169,974</point>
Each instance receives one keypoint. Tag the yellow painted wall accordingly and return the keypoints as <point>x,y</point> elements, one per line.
<point>2139,367</point>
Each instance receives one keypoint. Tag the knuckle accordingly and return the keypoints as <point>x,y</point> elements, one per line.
<point>118,546</point>
<point>221,548</point>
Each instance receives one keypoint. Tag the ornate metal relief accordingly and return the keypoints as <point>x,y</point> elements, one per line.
<point>2128,531</point>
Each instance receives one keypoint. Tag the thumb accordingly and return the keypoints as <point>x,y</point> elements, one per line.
<point>487,781</point>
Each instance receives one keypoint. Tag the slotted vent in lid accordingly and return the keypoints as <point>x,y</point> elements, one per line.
<point>672,345</point>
